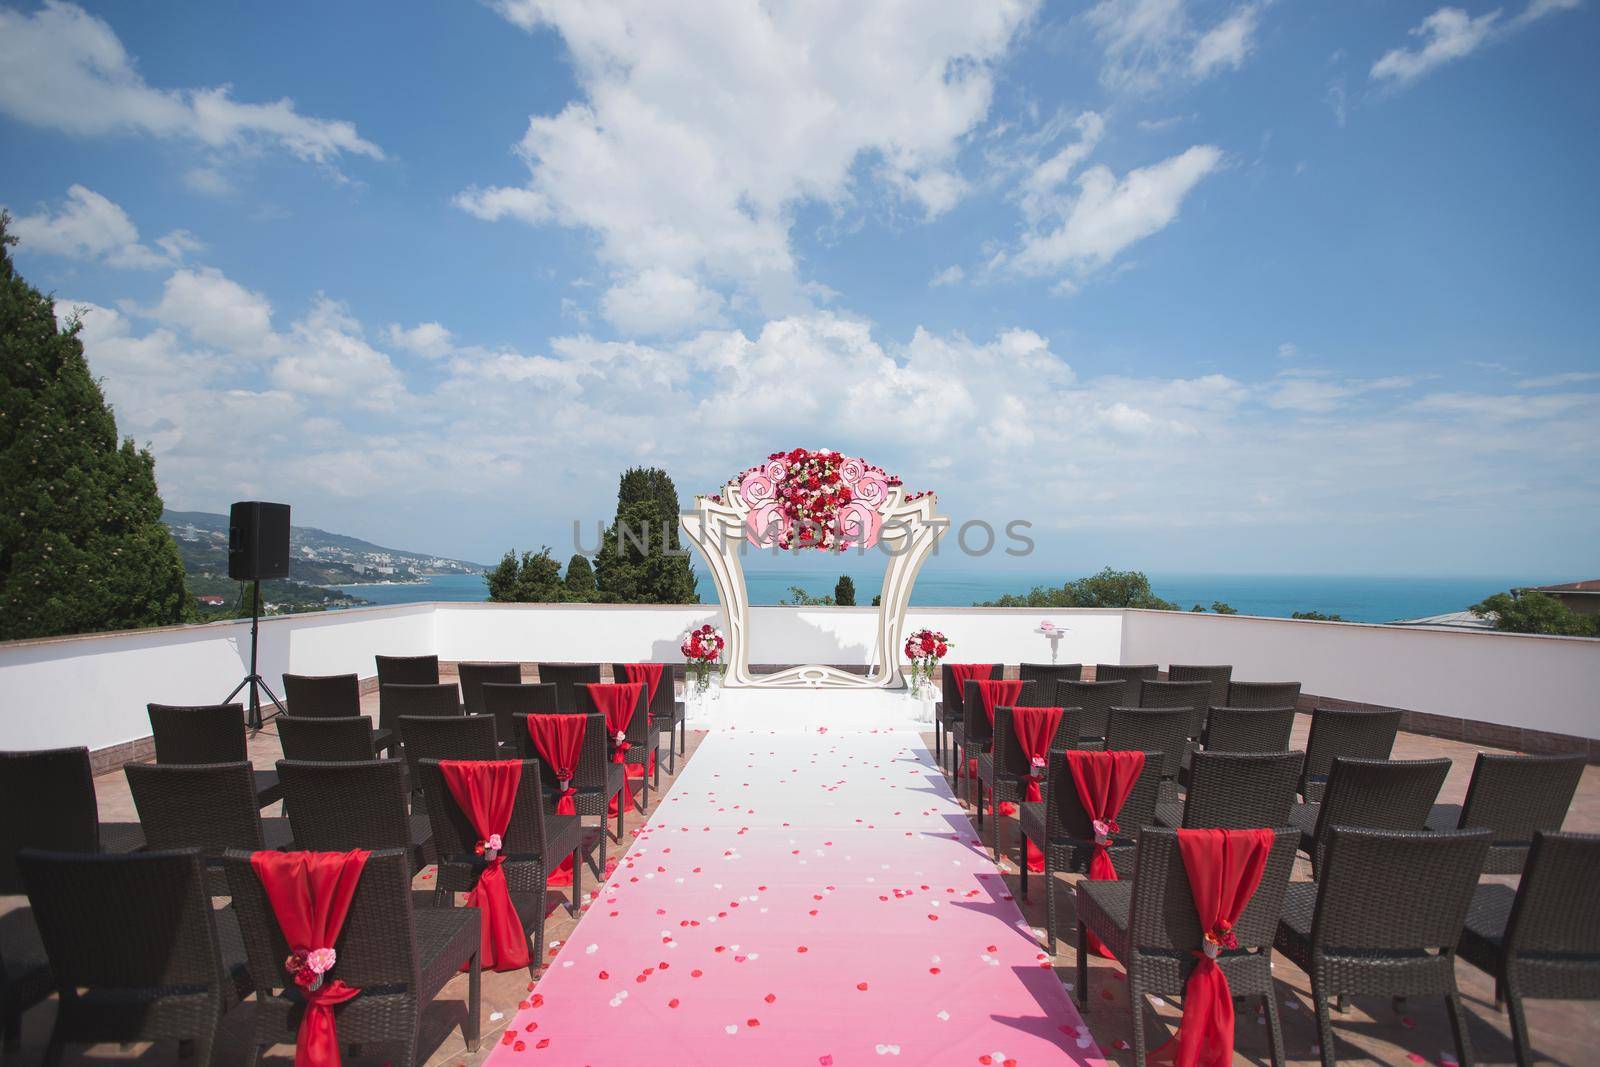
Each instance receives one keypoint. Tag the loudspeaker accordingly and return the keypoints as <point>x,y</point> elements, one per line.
<point>258,541</point>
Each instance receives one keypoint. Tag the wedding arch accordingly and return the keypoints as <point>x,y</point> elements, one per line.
<point>814,500</point>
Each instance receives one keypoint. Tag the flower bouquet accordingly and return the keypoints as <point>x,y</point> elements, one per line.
<point>925,649</point>
<point>703,651</point>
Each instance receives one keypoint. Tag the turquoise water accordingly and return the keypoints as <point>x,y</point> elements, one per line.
<point>1359,599</point>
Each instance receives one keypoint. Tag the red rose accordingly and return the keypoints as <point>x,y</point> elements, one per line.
<point>943,648</point>
<point>927,644</point>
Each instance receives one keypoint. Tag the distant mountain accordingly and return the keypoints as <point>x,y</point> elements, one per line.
<point>316,556</point>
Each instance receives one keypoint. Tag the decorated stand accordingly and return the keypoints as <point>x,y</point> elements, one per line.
<point>823,501</point>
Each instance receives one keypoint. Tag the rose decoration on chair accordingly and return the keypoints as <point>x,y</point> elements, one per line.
<point>925,649</point>
<point>703,649</point>
<point>309,967</point>
<point>814,498</point>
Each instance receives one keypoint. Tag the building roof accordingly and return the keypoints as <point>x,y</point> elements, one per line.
<point>1591,585</point>
<point>1451,620</point>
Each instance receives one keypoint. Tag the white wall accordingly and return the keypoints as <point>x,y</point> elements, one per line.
<point>92,690</point>
<point>1543,683</point>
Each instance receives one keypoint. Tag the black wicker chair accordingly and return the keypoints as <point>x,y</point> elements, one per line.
<point>442,701</point>
<point>1541,940</point>
<point>474,676</point>
<point>1194,697</point>
<point>400,959</point>
<point>335,807</point>
<point>210,807</point>
<point>1094,701</point>
<point>597,781</point>
<point>1218,674</point>
<point>666,709</point>
<point>322,696</point>
<point>1044,676</point>
<point>1236,791</point>
<point>644,738</point>
<point>1263,694</point>
<point>567,678</point>
<point>1248,730</point>
<point>47,800</point>
<point>327,740</point>
<point>506,702</point>
<point>1513,797</point>
<point>1149,924</point>
<point>1004,772</point>
<point>434,737</point>
<point>1339,732</point>
<point>1154,730</point>
<point>208,733</point>
<point>1132,673</point>
<point>947,714</point>
<point>536,841</point>
<point>1372,794</point>
<point>136,950</point>
<point>1384,920</point>
<point>975,735</point>
<point>1063,831</point>
<point>407,670</point>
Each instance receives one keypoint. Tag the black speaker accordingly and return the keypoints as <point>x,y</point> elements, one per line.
<point>258,541</point>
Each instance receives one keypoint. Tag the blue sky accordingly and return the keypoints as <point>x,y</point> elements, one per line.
<point>1191,286</point>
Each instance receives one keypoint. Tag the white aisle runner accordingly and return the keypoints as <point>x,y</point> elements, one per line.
<point>798,898</point>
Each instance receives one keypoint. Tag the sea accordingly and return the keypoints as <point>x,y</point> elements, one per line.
<point>1355,597</point>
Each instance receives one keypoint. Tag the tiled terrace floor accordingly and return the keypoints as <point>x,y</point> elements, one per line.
<point>1370,1032</point>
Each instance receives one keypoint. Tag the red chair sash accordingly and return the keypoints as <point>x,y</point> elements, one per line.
<point>310,894</point>
<point>997,693</point>
<point>559,740</point>
<point>1224,868</point>
<point>486,792</point>
<point>1035,729</point>
<point>648,673</point>
<point>617,700</point>
<point>962,673</point>
<point>1103,781</point>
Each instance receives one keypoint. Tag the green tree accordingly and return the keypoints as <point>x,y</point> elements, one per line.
<point>641,560</point>
<point>579,582</point>
<point>844,592</point>
<point>799,598</point>
<point>82,545</point>
<point>1536,613</point>
<point>533,579</point>
<point>1223,609</point>
<point>1316,616</point>
<point>1107,589</point>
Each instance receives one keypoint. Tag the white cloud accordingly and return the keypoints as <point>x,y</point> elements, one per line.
<point>208,180</point>
<point>951,275</point>
<point>428,339</point>
<point>1147,43</point>
<point>660,302</point>
<point>1083,232</point>
<point>90,227</point>
<point>1318,393</point>
<point>1226,44</point>
<point>1551,381</point>
<point>1288,350</point>
<point>215,310</point>
<point>326,357</point>
<point>65,69</point>
<point>694,168</point>
<point>1450,34</point>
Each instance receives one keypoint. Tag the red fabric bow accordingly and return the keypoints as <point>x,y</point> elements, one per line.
<point>1103,781</point>
<point>618,701</point>
<point>962,673</point>
<point>1035,729</point>
<point>310,894</point>
<point>486,792</point>
<point>559,740</point>
<point>648,673</point>
<point>1224,868</point>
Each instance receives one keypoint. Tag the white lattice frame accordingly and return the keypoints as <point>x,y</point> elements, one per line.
<point>910,530</point>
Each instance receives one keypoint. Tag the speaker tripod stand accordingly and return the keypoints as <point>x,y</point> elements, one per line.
<point>254,679</point>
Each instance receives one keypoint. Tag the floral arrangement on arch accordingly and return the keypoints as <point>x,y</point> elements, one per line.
<point>815,498</point>
<point>925,649</point>
<point>702,649</point>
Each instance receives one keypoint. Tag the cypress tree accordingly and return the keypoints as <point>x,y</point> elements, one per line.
<point>844,593</point>
<point>641,559</point>
<point>82,545</point>
<point>535,579</point>
<point>579,582</point>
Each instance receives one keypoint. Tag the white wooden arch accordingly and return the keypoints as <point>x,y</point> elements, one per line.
<point>720,526</point>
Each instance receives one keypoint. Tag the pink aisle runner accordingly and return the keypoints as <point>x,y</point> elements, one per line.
<point>808,899</point>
